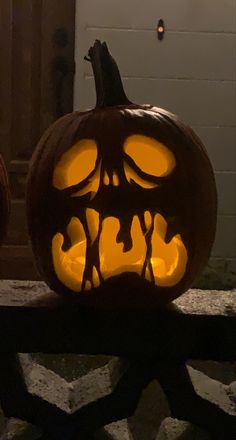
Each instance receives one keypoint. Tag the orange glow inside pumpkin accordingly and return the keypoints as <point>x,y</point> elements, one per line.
<point>151,156</point>
<point>167,263</point>
<point>76,164</point>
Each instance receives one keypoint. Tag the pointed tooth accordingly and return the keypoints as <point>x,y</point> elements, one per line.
<point>106,179</point>
<point>74,230</point>
<point>148,274</point>
<point>96,281</point>
<point>115,179</point>
<point>92,218</point>
<point>148,219</point>
<point>88,285</point>
<point>160,226</point>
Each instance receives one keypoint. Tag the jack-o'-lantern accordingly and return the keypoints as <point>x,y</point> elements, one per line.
<point>4,199</point>
<point>120,198</point>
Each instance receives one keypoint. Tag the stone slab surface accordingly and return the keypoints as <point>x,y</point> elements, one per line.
<point>14,292</point>
<point>197,301</point>
<point>208,302</point>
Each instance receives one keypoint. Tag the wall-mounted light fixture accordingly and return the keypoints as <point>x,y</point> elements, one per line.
<point>160,29</point>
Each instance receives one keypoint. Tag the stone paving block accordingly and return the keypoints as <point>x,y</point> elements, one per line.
<point>224,372</point>
<point>172,429</point>
<point>144,424</point>
<point>212,390</point>
<point>70,396</point>
<point>119,430</point>
<point>151,411</point>
<point>151,420</point>
<point>19,430</point>
<point>94,377</point>
<point>151,416</point>
<point>231,392</point>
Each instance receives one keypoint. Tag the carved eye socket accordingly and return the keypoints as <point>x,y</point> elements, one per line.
<point>150,156</point>
<point>76,164</point>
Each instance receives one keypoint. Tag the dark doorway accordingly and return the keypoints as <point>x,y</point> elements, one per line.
<point>36,87</point>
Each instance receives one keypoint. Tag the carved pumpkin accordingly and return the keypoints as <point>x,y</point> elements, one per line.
<point>121,198</point>
<point>4,199</point>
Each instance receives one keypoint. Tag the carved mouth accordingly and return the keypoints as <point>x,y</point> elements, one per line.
<point>103,254</point>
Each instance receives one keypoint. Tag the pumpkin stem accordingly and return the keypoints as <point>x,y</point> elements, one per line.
<point>109,87</point>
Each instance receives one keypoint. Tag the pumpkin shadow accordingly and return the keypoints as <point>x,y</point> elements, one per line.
<point>125,292</point>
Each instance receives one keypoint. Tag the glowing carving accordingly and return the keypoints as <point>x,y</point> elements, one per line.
<point>167,262</point>
<point>151,156</point>
<point>92,185</point>
<point>69,265</point>
<point>113,259</point>
<point>115,179</point>
<point>76,164</point>
<point>106,251</point>
<point>131,175</point>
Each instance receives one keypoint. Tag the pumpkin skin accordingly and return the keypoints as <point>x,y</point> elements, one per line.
<point>174,192</point>
<point>4,199</point>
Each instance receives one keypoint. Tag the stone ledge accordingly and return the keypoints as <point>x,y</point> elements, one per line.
<point>195,306</point>
<point>45,322</point>
<point>194,301</point>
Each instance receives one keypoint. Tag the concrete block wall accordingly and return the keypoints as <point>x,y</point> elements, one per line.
<point>192,72</point>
